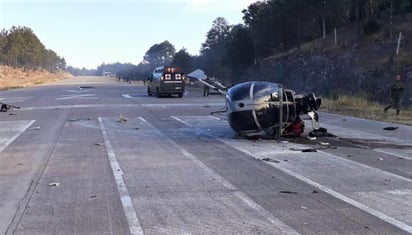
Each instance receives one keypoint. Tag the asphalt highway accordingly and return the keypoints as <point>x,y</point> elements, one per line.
<point>93,155</point>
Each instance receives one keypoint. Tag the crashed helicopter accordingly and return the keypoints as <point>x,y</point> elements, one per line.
<point>257,108</point>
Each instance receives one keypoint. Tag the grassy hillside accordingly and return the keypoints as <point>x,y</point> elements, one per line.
<point>352,74</point>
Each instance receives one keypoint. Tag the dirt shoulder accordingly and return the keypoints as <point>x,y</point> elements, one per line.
<point>11,78</point>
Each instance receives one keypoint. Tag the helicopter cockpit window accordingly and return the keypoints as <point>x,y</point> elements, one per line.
<point>241,92</point>
<point>265,92</point>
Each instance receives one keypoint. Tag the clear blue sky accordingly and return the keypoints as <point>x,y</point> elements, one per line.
<point>89,32</point>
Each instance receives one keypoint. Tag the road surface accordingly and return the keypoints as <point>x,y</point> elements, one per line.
<point>97,156</point>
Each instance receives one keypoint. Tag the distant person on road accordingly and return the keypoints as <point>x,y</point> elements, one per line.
<point>205,90</point>
<point>397,88</point>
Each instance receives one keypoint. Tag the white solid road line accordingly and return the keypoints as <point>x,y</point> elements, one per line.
<point>10,130</point>
<point>393,154</point>
<point>74,97</point>
<point>117,105</point>
<point>337,195</point>
<point>284,229</point>
<point>127,203</point>
<point>181,121</point>
<point>127,96</point>
<point>355,203</point>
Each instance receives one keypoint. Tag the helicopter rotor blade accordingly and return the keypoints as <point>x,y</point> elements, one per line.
<point>200,76</point>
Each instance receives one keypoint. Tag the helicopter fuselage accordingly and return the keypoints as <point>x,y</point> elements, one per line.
<point>265,108</point>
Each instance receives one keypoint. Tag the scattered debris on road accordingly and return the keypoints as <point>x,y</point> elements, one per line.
<point>307,150</point>
<point>5,107</point>
<point>54,184</point>
<point>270,160</point>
<point>79,120</point>
<point>320,132</point>
<point>122,119</point>
<point>288,192</point>
<point>99,144</point>
<point>390,128</point>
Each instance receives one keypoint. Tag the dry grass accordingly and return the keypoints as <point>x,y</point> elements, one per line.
<point>17,78</point>
<point>362,108</point>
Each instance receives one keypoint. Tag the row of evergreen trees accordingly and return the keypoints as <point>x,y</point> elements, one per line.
<point>270,26</point>
<point>20,47</point>
<point>274,26</point>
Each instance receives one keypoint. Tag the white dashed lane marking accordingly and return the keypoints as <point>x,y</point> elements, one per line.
<point>10,130</point>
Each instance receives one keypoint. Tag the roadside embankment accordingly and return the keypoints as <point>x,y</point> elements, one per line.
<point>11,78</point>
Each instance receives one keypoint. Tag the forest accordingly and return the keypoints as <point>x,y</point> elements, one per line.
<point>270,27</point>
<point>21,48</point>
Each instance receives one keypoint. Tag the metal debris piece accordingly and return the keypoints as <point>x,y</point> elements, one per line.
<point>304,150</point>
<point>86,87</point>
<point>54,184</point>
<point>320,132</point>
<point>122,119</point>
<point>309,150</point>
<point>288,192</point>
<point>390,128</point>
<point>270,160</point>
<point>99,144</point>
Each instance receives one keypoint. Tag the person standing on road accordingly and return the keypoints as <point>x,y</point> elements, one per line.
<point>205,90</point>
<point>397,89</point>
